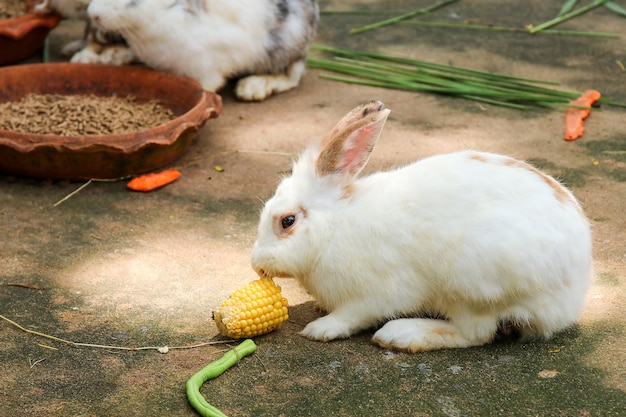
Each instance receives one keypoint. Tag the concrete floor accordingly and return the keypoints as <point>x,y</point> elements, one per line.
<point>139,270</point>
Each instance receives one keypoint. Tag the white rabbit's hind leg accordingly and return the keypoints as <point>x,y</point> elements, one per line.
<point>259,87</point>
<point>420,335</point>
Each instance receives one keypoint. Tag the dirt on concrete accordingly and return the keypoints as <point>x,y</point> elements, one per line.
<point>144,270</point>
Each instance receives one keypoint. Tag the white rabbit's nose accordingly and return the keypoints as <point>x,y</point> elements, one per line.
<point>261,272</point>
<point>93,14</point>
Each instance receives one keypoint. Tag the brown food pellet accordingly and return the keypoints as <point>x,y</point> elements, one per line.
<point>10,9</point>
<point>79,115</point>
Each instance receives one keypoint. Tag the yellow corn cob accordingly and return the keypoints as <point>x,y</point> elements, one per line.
<point>254,309</point>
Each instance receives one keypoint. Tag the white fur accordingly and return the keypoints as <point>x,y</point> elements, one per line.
<point>90,49</point>
<point>474,238</point>
<point>96,53</point>
<point>215,40</point>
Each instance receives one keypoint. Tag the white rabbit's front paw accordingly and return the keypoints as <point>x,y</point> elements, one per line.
<point>326,328</point>
<point>112,55</point>
<point>86,56</point>
<point>117,55</point>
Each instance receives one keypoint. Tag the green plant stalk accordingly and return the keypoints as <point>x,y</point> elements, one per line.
<point>579,33</point>
<point>615,8</point>
<point>512,30</point>
<point>457,80</point>
<point>567,16</point>
<point>380,84</point>
<point>422,64</point>
<point>213,370</point>
<point>567,7</point>
<point>376,70</point>
<point>383,79</point>
<point>400,18</point>
<point>456,89</point>
<point>45,53</point>
<point>394,84</point>
<point>421,77</point>
<point>361,12</point>
<point>464,26</point>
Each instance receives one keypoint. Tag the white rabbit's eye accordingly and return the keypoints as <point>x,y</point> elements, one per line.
<point>284,225</point>
<point>287,221</point>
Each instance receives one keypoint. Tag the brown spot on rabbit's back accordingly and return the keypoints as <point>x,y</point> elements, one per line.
<point>479,157</point>
<point>560,192</point>
<point>562,195</point>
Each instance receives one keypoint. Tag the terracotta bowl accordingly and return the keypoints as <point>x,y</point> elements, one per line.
<point>102,156</point>
<point>23,36</point>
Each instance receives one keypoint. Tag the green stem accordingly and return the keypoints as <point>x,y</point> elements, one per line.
<point>580,33</point>
<point>456,82</point>
<point>213,370</point>
<point>512,30</point>
<point>383,71</point>
<point>360,12</point>
<point>400,18</point>
<point>45,53</point>
<point>615,8</point>
<point>567,7</point>
<point>567,16</point>
<point>423,64</point>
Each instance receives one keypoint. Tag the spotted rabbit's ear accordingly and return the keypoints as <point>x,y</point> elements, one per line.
<point>347,148</point>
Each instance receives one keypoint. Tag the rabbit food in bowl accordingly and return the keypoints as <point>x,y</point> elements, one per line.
<point>74,115</point>
<point>111,99</point>
<point>22,32</point>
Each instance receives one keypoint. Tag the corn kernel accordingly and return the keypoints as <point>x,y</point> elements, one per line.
<point>252,310</point>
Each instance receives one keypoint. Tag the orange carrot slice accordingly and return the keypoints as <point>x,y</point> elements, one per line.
<point>574,117</point>
<point>152,181</point>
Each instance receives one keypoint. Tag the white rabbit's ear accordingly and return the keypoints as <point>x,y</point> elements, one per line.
<point>347,148</point>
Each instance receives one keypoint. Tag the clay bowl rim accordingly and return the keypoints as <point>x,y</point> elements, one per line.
<point>18,27</point>
<point>207,105</point>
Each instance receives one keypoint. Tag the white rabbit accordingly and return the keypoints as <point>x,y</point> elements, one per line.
<point>479,241</point>
<point>97,46</point>
<point>215,40</point>
<point>69,9</point>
